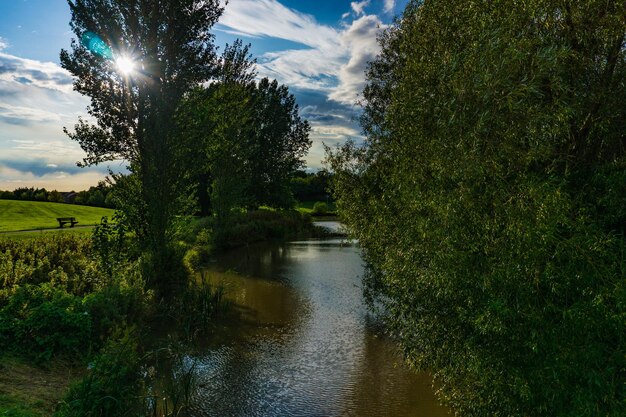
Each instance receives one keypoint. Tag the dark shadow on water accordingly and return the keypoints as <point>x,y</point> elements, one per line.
<point>300,341</point>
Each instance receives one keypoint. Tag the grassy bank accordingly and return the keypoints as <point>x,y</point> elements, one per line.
<point>29,215</point>
<point>27,390</point>
<point>317,208</point>
<point>75,311</point>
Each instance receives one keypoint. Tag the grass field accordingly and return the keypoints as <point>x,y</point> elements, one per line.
<point>306,207</point>
<point>29,215</point>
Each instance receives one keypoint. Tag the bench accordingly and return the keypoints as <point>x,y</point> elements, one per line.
<point>64,220</point>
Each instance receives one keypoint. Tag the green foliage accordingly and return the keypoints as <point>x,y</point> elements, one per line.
<point>11,408</point>
<point>57,299</point>
<point>320,208</point>
<point>244,228</point>
<point>250,134</point>
<point>94,196</point>
<point>195,308</point>
<point>280,140</point>
<point>489,200</point>
<point>113,386</point>
<point>110,244</point>
<point>199,254</point>
<point>122,302</point>
<point>44,321</point>
<point>135,113</point>
<point>311,186</point>
<point>63,261</point>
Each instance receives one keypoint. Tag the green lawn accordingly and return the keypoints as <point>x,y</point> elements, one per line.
<point>306,207</point>
<point>28,215</point>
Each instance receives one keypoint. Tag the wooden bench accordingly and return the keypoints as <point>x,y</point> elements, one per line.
<point>64,220</point>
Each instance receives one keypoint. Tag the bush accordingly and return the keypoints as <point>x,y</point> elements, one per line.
<point>244,228</point>
<point>44,321</point>
<point>64,261</point>
<point>62,295</point>
<point>320,209</point>
<point>113,386</point>
<point>112,306</point>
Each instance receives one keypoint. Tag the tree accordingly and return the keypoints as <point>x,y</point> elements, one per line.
<point>213,122</point>
<point>280,141</point>
<point>311,186</point>
<point>251,135</point>
<point>173,51</point>
<point>55,197</point>
<point>489,199</point>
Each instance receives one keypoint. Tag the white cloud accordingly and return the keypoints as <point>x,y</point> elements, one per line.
<point>360,39</point>
<point>59,180</point>
<point>303,68</point>
<point>36,73</point>
<point>359,6</point>
<point>390,5</point>
<point>36,101</point>
<point>26,115</point>
<point>334,60</point>
<point>269,18</point>
<point>3,43</point>
<point>329,135</point>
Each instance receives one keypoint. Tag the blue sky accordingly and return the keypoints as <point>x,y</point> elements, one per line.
<point>319,48</point>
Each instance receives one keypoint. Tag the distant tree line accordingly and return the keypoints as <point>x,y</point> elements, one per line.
<point>311,186</point>
<point>100,195</point>
<point>303,186</point>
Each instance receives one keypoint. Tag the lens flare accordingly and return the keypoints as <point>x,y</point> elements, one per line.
<point>125,65</point>
<point>96,45</point>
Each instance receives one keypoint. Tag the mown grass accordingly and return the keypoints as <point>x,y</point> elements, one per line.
<point>30,215</point>
<point>32,391</point>
<point>306,207</point>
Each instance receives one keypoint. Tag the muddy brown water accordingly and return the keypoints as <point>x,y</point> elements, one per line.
<point>303,342</point>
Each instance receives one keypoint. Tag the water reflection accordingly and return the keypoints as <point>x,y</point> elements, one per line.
<point>303,343</point>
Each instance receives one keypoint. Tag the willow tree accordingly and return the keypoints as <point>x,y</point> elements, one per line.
<point>136,59</point>
<point>490,200</point>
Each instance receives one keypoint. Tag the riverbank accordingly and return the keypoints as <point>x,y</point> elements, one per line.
<point>27,390</point>
<point>65,296</point>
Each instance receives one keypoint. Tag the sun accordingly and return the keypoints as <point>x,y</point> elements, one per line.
<point>125,65</point>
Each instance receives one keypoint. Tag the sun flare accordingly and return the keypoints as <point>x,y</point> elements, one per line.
<point>125,65</point>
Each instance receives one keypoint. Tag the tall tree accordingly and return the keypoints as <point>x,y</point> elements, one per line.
<point>213,122</point>
<point>136,59</point>
<point>251,136</point>
<point>490,201</point>
<point>280,141</point>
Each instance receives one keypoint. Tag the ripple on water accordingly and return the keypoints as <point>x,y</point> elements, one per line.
<point>303,344</point>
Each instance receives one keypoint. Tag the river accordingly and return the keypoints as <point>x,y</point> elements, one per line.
<point>302,342</point>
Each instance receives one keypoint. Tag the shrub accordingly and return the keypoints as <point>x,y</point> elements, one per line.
<point>44,321</point>
<point>63,261</point>
<point>254,226</point>
<point>320,208</point>
<point>113,385</point>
